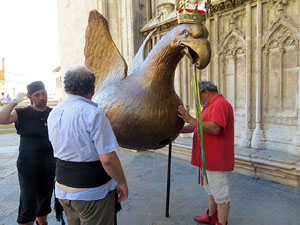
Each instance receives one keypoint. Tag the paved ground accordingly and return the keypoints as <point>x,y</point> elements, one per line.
<point>254,202</point>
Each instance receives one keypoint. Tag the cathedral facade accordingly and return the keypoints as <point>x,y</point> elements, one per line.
<point>255,63</point>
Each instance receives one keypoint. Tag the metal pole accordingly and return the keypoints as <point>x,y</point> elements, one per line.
<point>168,180</point>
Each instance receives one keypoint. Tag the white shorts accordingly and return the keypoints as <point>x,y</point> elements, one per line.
<point>218,186</point>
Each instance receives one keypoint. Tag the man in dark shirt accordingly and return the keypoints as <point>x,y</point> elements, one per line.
<point>35,163</point>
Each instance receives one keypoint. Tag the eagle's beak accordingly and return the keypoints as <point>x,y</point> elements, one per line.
<point>198,51</point>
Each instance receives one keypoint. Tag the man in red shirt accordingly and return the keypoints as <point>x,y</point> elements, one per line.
<point>218,138</point>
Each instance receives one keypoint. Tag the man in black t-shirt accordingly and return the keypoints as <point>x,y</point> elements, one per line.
<point>35,163</point>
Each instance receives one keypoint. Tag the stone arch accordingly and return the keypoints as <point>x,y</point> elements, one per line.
<point>282,22</point>
<point>233,61</point>
<point>280,69</point>
<point>235,33</point>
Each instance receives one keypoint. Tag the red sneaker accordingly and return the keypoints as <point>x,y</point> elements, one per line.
<point>207,219</point>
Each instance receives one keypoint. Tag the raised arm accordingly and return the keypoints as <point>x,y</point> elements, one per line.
<point>7,114</point>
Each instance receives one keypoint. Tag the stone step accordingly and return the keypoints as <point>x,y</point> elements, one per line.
<point>7,126</point>
<point>178,150</point>
<point>8,131</point>
<point>50,103</point>
<point>10,128</point>
<point>280,167</point>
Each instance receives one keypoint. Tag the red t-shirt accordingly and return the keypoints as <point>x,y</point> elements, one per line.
<point>218,149</point>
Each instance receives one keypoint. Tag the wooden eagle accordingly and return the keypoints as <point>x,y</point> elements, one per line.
<point>141,102</point>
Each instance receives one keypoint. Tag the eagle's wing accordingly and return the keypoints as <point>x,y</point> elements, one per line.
<point>101,53</point>
<point>139,58</point>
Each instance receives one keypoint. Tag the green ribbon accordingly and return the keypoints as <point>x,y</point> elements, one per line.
<point>199,124</point>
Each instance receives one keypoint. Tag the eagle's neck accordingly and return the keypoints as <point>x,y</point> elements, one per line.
<point>158,69</point>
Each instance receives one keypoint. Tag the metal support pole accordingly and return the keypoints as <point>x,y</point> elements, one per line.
<point>168,180</point>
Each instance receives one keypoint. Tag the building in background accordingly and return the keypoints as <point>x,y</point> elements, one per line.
<point>2,74</point>
<point>59,91</point>
<point>11,83</point>
<point>125,19</point>
<point>255,63</point>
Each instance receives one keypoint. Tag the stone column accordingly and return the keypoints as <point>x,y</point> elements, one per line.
<point>2,75</point>
<point>185,82</point>
<point>149,10</point>
<point>216,52</point>
<point>181,79</point>
<point>130,32</point>
<point>234,57</point>
<point>153,41</point>
<point>190,81</point>
<point>124,49</point>
<point>127,31</point>
<point>103,7</point>
<point>296,139</point>
<point>258,134</point>
<point>281,76</point>
<point>222,61</point>
<point>245,140</point>
<point>208,68</point>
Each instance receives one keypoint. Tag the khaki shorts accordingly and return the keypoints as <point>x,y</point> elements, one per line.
<point>99,212</point>
<point>218,186</point>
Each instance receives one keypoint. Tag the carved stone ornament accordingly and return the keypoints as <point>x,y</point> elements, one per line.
<point>282,37</point>
<point>228,4</point>
<point>186,4</point>
<point>279,5</point>
<point>279,2</point>
<point>163,10</point>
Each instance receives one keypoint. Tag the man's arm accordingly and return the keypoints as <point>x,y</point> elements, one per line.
<point>189,128</point>
<point>7,115</point>
<point>113,168</point>
<point>208,127</point>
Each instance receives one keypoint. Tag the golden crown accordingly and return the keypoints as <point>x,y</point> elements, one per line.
<point>188,12</point>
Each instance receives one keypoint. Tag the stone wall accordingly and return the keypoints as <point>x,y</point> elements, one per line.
<point>255,45</point>
<point>2,71</point>
<point>73,19</point>
<point>124,17</point>
<point>255,63</point>
<point>255,57</point>
<point>2,77</point>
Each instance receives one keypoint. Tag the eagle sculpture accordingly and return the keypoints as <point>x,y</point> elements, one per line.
<point>141,102</point>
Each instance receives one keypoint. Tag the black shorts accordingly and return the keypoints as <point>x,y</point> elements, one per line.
<point>36,179</point>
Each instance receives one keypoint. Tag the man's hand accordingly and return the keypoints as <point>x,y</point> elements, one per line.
<point>207,126</point>
<point>122,190</point>
<point>186,116</point>
<point>19,98</point>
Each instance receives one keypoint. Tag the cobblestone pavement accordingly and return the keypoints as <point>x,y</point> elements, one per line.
<point>254,202</point>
